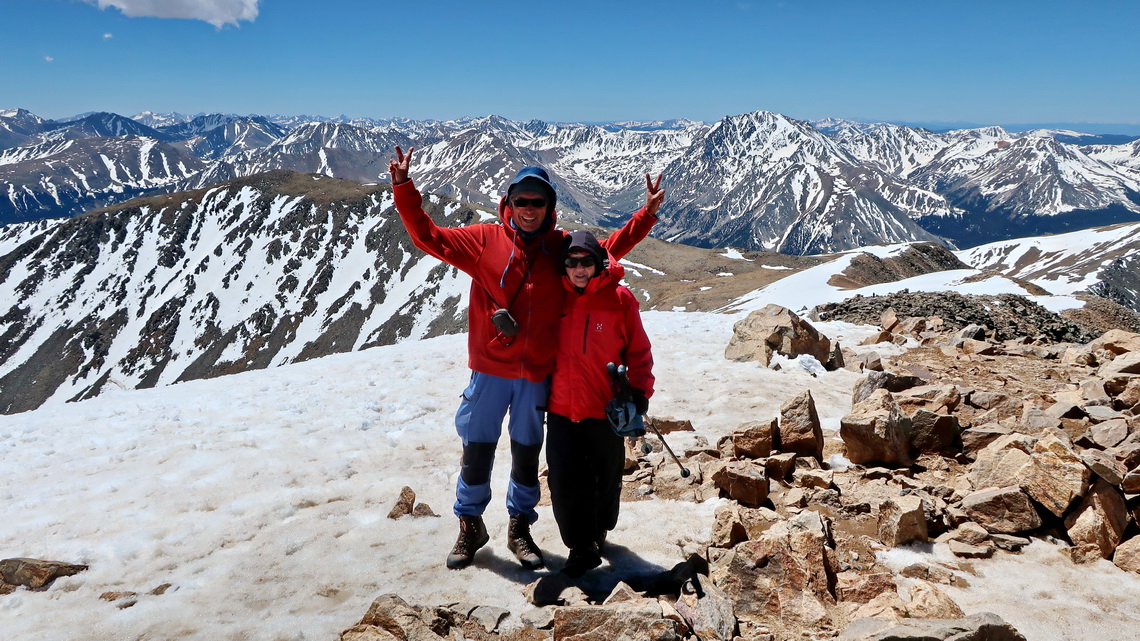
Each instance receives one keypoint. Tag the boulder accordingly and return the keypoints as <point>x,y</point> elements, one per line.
<point>706,610</point>
<point>391,614</point>
<point>983,626</point>
<point>668,424</point>
<point>754,439</point>
<point>971,551</point>
<point>1116,341</point>
<point>889,319</point>
<point>634,621</point>
<point>1057,477</point>
<point>787,572</point>
<point>879,337</point>
<point>928,602</point>
<point>1128,363</point>
<point>1129,397</point>
<point>876,432</point>
<point>1005,510</point>
<point>932,433</point>
<point>1108,433</point>
<point>743,481</point>
<point>1127,556</point>
<point>728,526</point>
<point>902,520</point>
<point>404,503</point>
<point>887,606</point>
<point>1131,482</point>
<point>779,466</point>
<point>1104,465</point>
<point>852,587</point>
<point>773,330</point>
<point>1097,526</point>
<point>36,573</point>
<point>800,429</point>
<point>881,380</point>
<point>976,438</point>
<point>970,532</point>
<point>867,361</point>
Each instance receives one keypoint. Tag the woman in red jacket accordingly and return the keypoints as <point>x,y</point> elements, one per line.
<point>600,324</point>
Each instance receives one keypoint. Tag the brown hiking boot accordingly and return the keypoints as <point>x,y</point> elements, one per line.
<point>520,543</point>
<point>472,536</point>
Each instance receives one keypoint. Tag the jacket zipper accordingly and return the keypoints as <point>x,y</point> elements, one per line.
<point>585,333</point>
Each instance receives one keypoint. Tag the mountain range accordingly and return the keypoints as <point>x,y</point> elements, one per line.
<point>757,181</point>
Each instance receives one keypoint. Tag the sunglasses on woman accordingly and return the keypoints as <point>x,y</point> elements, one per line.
<point>584,261</point>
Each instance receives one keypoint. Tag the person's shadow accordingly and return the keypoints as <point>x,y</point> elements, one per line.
<point>620,564</point>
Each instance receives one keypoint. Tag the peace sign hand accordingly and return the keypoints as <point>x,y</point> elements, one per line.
<point>654,194</point>
<point>399,167</point>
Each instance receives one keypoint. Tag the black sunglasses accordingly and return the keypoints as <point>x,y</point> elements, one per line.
<point>529,202</point>
<point>584,261</point>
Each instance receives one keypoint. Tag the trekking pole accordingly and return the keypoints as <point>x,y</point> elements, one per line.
<point>620,376</point>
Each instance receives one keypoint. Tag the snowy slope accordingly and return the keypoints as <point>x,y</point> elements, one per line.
<point>270,270</point>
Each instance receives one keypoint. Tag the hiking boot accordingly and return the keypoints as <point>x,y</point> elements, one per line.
<point>582,560</point>
<point>520,543</point>
<point>472,536</point>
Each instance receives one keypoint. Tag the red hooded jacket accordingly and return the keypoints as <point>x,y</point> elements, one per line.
<point>496,257</point>
<point>599,325</point>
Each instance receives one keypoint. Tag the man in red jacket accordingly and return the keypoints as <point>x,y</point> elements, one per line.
<point>512,338</point>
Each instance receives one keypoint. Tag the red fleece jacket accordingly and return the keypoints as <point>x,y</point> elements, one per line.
<point>599,325</point>
<point>496,258</point>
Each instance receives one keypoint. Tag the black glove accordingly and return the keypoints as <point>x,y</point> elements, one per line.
<point>640,402</point>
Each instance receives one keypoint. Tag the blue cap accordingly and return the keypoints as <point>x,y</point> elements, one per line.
<point>537,180</point>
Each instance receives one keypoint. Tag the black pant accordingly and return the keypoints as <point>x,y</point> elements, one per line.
<point>585,460</point>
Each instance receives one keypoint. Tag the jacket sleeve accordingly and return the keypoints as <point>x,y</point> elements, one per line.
<point>638,355</point>
<point>459,246</point>
<point>631,233</point>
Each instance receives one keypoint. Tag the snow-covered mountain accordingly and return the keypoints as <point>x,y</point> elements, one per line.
<point>765,181</point>
<point>80,174</point>
<point>757,181</point>
<point>258,272</point>
<point>159,120</point>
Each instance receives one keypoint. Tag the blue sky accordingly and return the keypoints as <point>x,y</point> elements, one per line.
<point>987,62</point>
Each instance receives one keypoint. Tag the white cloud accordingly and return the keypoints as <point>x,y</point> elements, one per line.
<point>49,59</point>
<point>217,12</point>
<point>108,36</point>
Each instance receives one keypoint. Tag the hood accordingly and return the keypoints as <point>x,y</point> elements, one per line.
<point>611,271</point>
<point>537,177</point>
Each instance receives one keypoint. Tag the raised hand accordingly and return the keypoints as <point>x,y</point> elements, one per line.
<point>399,167</point>
<point>654,194</point>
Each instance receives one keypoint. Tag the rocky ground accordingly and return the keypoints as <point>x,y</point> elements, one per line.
<point>998,423</point>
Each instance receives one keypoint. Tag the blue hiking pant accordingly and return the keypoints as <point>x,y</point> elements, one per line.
<point>479,423</point>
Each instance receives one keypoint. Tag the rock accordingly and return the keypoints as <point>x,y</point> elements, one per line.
<point>1006,510</point>
<point>555,589</point>
<point>539,618</point>
<point>889,319</point>
<point>743,481</point>
<point>368,633</point>
<point>928,602</point>
<point>1057,477</point>
<point>643,622</point>
<point>775,329</point>
<point>1008,542</point>
<point>1116,341</point>
<point>1131,482</point>
<point>821,479</point>
<point>785,572</point>
<point>972,332</point>
<point>1097,526</point>
<point>981,348</point>
<point>1078,355</point>
<point>868,361</point>
<point>778,466</point>
<point>1036,420</point>
<point>423,509</point>
<point>1109,433</point>
<point>668,424</point>
<point>728,526</point>
<point>852,587</point>
<point>933,573</point>
<point>123,600</point>
<point>1129,397</point>
<point>1001,460</point>
<point>622,593</point>
<point>881,380</point>
<point>970,532</point>
<point>932,433</point>
<point>800,430</point>
<point>971,551</point>
<point>488,617</point>
<point>1127,556</point>
<point>879,337</point>
<point>835,360</point>
<point>977,438</point>
<point>983,626</point>
<point>35,573</point>
<point>1124,364</point>
<point>902,520</point>
<point>707,610</point>
<point>404,503</point>
<point>1101,413</point>
<point>1104,465</point>
<point>887,606</point>
<point>876,432</point>
<point>393,615</point>
<point>754,439</point>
